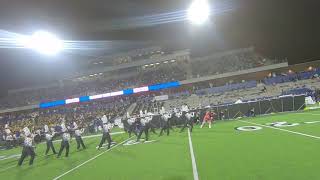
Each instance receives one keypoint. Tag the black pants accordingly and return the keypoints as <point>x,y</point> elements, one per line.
<point>174,121</point>
<point>80,142</point>
<point>153,128</point>
<point>165,127</point>
<point>105,136</point>
<point>178,121</point>
<point>196,120</point>
<point>9,144</point>
<point>64,144</point>
<point>50,146</point>
<point>14,142</point>
<point>187,123</point>
<point>132,128</point>
<point>144,129</point>
<point>27,151</point>
<point>252,114</point>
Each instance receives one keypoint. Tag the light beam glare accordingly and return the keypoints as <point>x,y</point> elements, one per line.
<point>11,40</point>
<point>199,12</point>
<point>216,9</point>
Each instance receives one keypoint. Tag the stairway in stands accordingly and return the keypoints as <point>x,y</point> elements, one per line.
<point>131,108</point>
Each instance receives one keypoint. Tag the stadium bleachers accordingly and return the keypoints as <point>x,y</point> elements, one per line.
<point>230,61</point>
<point>291,77</point>
<point>177,69</point>
<point>231,87</point>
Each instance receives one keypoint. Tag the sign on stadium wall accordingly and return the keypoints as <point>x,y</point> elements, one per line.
<point>161,98</point>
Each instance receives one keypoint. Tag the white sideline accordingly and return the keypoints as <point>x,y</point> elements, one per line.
<point>193,159</point>
<point>285,130</point>
<point>67,172</point>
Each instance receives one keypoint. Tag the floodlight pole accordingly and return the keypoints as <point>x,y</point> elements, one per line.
<point>282,103</point>
<point>293,104</point>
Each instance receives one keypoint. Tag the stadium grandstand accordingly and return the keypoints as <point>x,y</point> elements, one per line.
<point>178,95</point>
<point>177,66</point>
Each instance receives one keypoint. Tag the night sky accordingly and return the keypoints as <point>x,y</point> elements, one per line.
<point>277,28</point>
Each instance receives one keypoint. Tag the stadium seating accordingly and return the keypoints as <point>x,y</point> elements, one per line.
<point>230,61</point>
<point>231,87</point>
<point>291,77</point>
<point>179,69</point>
<point>305,91</point>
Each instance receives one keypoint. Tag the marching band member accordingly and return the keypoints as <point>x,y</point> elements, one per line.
<point>28,147</point>
<point>106,128</point>
<point>145,127</point>
<point>65,141</point>
<point>166,123</point>
<point>49,137</point>
<point>78,137</point>
<point>188,121</point>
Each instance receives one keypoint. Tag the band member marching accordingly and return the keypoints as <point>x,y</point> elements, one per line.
<point>152,127</point>
<point>28,147</point>
<point>184,109</point>
<point>132,126</point>
<point>145,127</point>
<point>196,118</point>
<point>65,141</point>
<point>78,138</point>
<point>179,118</point>
<point>188,121</point>
<point>166,123</point>
<point>49,137</point>
<point>106,128</point>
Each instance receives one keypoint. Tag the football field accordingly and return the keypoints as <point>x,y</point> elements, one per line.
<point>272,147</point>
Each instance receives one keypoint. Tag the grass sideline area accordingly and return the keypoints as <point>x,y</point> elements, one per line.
<point>266,152</point>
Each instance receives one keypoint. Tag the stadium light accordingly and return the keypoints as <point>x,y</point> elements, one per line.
<point>198,12</point>
<point>42,42</point>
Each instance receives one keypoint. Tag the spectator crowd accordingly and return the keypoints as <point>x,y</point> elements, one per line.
<point>175,70</point>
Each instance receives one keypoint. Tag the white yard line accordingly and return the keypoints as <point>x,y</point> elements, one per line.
<point>311,122</point>
<point>90,136</point>
<point>16,156</point>
<point>312,114</point>
<point>193,159</point>
<point>98,135</point>
<point>285,130</point>
<point>1,170</point>
<point>89,160</point>
<point>304,113</point>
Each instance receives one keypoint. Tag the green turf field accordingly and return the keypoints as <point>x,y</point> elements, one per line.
<point>222,153</point>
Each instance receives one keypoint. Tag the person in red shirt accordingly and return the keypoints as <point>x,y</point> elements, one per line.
<point>209,117</point>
